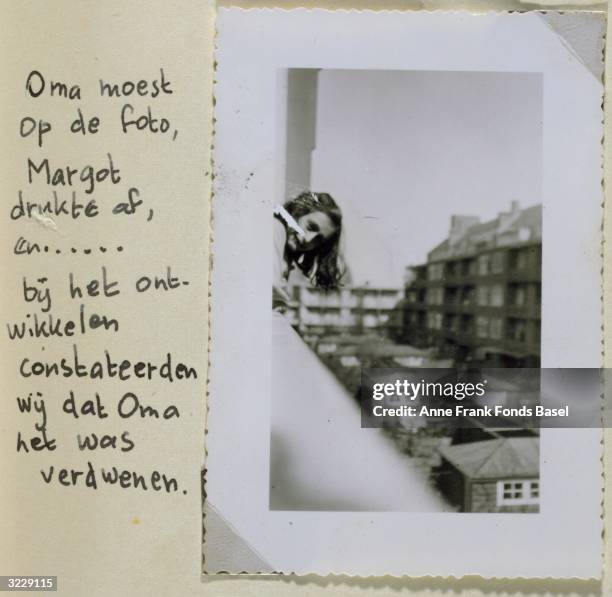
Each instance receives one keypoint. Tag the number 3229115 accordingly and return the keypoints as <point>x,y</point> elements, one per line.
<point>44,583</point>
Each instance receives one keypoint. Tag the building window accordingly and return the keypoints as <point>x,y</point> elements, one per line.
<point>467,296</point>
<point>451,269</point>
<point>466,324</point>
<point>519,492</point>
<point>497,263</point>
<point>490,295</point>
<point>450,295</point>
<point>497,295</point>
<point>435,271</point>
<point>482,327</point>
<point>434,321</point>
<point>435,296</point>
<point>516,330</point>
<point>495,329</point>
<point>518,295</point>
<point>482,296</point>
<point>533,257</point>
<point>370,321</point>
<point>518,259</point>
<point>483,264</point>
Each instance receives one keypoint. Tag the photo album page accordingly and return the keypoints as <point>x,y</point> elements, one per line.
<point>300,300</point>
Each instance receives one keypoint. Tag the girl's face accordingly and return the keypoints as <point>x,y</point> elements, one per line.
<point>317,227</point>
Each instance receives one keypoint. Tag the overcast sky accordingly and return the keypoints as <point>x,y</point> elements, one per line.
<point>402,151</point>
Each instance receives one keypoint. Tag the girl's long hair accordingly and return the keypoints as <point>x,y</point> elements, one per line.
<point>323,265</point>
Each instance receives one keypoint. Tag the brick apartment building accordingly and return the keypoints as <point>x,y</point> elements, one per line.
<point>477,298</point>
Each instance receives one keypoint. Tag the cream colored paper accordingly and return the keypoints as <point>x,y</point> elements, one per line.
<point>111,540</point>
<point>116,542</point>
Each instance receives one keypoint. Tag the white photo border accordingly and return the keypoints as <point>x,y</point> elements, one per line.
<point>253,48</point>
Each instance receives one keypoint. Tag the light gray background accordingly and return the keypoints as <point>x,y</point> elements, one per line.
<point>402,151</point>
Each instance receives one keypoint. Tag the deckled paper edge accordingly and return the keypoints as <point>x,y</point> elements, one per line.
<point>211,262</point>
<point>249,558</point>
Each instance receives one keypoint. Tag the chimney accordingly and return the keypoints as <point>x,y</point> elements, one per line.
<point>506,218</point>
<point>459,226</point>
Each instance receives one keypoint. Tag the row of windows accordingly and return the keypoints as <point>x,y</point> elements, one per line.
<point>492,295</point>
<point>489,327</point>
<point>338,319</point>
<point>488,263</point>
<point>486,327</point>
<point>518,330</point>
<point>435,296</point>
<point>517,493</point>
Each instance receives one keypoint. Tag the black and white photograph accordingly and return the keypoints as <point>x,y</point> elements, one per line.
<point>394,195</point>
<point>421,250</point>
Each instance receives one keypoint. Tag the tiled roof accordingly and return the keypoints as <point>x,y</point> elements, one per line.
<point>496,458</point>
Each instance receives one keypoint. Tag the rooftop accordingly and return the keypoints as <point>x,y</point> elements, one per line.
<point>496,458</point>
<point>468,234</point>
